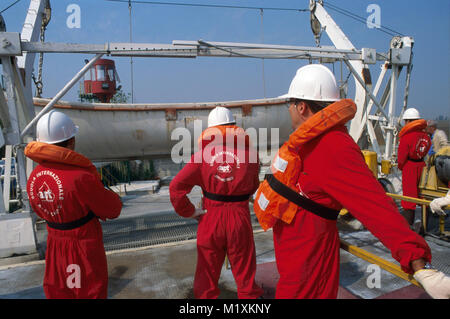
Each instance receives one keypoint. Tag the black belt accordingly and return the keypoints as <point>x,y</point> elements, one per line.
<point>415,160</point>
<point>299,200</point>
<point>74,224</point>
<point>226,198</point>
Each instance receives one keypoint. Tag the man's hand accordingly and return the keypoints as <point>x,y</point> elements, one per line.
<point>435,283</point>
<point>197,213</point>
<point>437,204</point>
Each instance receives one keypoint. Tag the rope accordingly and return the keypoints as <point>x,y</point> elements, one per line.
<point>231,52</point>
<point>11,5</point>
<point>210,5</point>
<point>358,18</point>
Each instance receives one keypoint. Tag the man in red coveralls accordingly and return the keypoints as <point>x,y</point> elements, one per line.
<point>65,190</point>
<point>413,146</point>
<point>335,175</point>
<point>226,168</point>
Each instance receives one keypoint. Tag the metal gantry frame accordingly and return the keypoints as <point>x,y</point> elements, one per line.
<point>17,54</point>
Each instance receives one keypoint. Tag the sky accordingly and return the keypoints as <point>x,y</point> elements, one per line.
<point>207,79</point>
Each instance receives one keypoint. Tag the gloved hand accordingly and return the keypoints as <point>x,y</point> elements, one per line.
<point>435,283</point>
<point>437,204</point>
<point>198,212</point>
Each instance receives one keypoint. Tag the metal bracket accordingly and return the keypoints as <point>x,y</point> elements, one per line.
<point>10,44</point>
<point>246,110</point>
<point>369,55</point>
<point>171,114</point>
<point>400,56</point>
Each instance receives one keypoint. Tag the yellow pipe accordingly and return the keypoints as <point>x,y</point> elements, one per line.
<point>442,224</point>
<point>405,198</point>
<point>410,199</point>
<point>387,265</point>
<point>227,264</point>
<point>413,200</point>
<point>424,218</point>
<point>374,259</point>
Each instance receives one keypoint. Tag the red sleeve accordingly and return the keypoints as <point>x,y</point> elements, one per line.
<point>102,202</point>
<point>256,181</point>
<point>181,185</point>
<point>350,182</point>
<point>402,155</point>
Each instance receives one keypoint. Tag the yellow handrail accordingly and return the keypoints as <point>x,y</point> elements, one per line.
<point>413,200</point>
<point>386,265</point>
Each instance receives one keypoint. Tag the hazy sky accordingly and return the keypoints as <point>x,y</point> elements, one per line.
<point>219,79</point>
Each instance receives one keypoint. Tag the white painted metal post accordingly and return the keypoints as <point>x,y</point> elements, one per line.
<point>341,41</point>
<point>7,177</point>
<point>61,93</point>
<point>12,137</point>
<point>15,103</point>
<point>370,94</point>
<point>30,33</point>
<point>357,136</point>
<point>390,132</point>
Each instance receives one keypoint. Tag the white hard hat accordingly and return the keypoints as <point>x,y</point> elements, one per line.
<point>411,114</point>
<point>314,82</point>
<point>55,127</point>
<point>220,116</point>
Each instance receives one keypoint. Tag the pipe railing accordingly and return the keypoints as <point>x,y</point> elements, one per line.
<point>383,263</point>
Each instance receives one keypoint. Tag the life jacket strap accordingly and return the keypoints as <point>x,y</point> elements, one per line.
<point>299,200</point>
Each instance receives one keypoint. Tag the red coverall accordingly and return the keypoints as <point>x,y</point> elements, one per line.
<point>59,192</point>
<point>335,175</point>
<point>412,148</point>
<point>226,227</point>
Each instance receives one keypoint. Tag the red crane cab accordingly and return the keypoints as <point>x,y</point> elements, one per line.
<point>100,81</point>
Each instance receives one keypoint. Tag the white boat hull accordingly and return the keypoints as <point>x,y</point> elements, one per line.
<point>130,131</point>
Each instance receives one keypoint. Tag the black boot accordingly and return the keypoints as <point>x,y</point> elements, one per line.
<point>408,214</point>
<point>417,227</point>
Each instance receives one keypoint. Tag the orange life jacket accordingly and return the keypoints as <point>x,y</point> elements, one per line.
<point>221,130</point>
<point>417,125</point>
<point>269,205</point>
<point>43,152</point>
